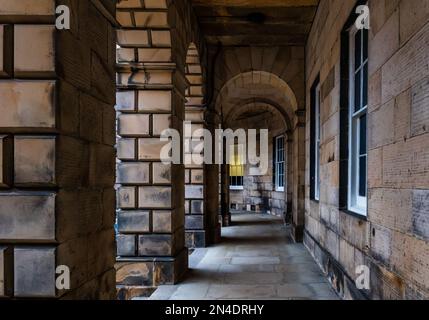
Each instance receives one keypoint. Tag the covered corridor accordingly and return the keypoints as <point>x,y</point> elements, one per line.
<point>336,91</point>
<point>255,260</point>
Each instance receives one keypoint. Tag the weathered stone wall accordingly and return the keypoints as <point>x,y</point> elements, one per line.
<point>393,241</point>
<point>57,149</point>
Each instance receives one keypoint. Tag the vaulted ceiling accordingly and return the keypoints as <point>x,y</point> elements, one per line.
<point>256,22</point>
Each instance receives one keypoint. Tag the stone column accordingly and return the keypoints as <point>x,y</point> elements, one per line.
<point>150,194</point>
<point>195,220</point>
<point>298,201</point>
<point>225,209</point>
<point>212,186</point>
<point>200,205</point>
<point>57,150</point>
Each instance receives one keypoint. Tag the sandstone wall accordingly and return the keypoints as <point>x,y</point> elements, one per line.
<point>393,240</point>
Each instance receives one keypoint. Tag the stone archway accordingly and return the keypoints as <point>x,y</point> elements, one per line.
<point>262,86</point>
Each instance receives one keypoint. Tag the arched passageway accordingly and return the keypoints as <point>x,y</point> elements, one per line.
<point>263,100</point>
<point>353,162</point>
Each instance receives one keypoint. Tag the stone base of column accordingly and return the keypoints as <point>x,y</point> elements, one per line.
<point>226,220</point>
<point>134,274</point>
<point>297,233</point>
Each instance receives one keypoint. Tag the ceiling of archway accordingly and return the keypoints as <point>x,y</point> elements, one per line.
<point>256,87</point>
<point>256,22</point>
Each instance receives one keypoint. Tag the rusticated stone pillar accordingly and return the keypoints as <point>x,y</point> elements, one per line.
<point>200,227</point>
<point>57,151</point>
<point>150,99</point>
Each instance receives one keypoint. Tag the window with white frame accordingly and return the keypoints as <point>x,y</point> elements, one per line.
<point>358,95</point>
<point>316,138</point>
<point>236,169</point>
<point>280,163</point>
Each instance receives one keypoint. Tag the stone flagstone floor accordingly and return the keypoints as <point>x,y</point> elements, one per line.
<point>255,260</point>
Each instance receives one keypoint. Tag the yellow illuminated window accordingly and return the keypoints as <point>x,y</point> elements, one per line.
<point>236,168</point>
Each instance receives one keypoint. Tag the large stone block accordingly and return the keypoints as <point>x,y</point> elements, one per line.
<point>381,242</point>
<point>134,221</point>
<point>161,173</point>
<point>154,101</point>
<point>126,149</point>
<point>133,173</point>
<point>197,207</point>
<point>414,14</point>
<point>150,77</point>
<point>151,19</point>
<point>347,257</point>
<point>34,272</point>
<point>155,245</point>
<point>405,163</point>
<point>6,271</point>
<point>134,124</point>
<point>194,222</point>
<point>381,125</point>
<point>125,55</point>
<point>101,252</point>
<point>155,197</point>
<point>419,107</point>
<point>101,165</point>
<point>155,54</point>
<point>27,216</point>
<point>194,192</point>
<point>133,38</point>
<point>160,122</point>
<point>35,160</point>
<point>134,274</point>
<point>150,148</point>
<point>34,49</point>
<point>162,221</point>
<point>403,116</point>
<point>124,18</point>
<point>161,38</point>
<point>126,245</point>
<point>197,176</point>
<point>127,197</point>
<point>407,66</point>
<point>385,43</point>
<point>125,100</point>
<point>27,104</point>
<point>391,208</point>
<point>91,111</point>
<point>420,213</point>
<point>27,7</point>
